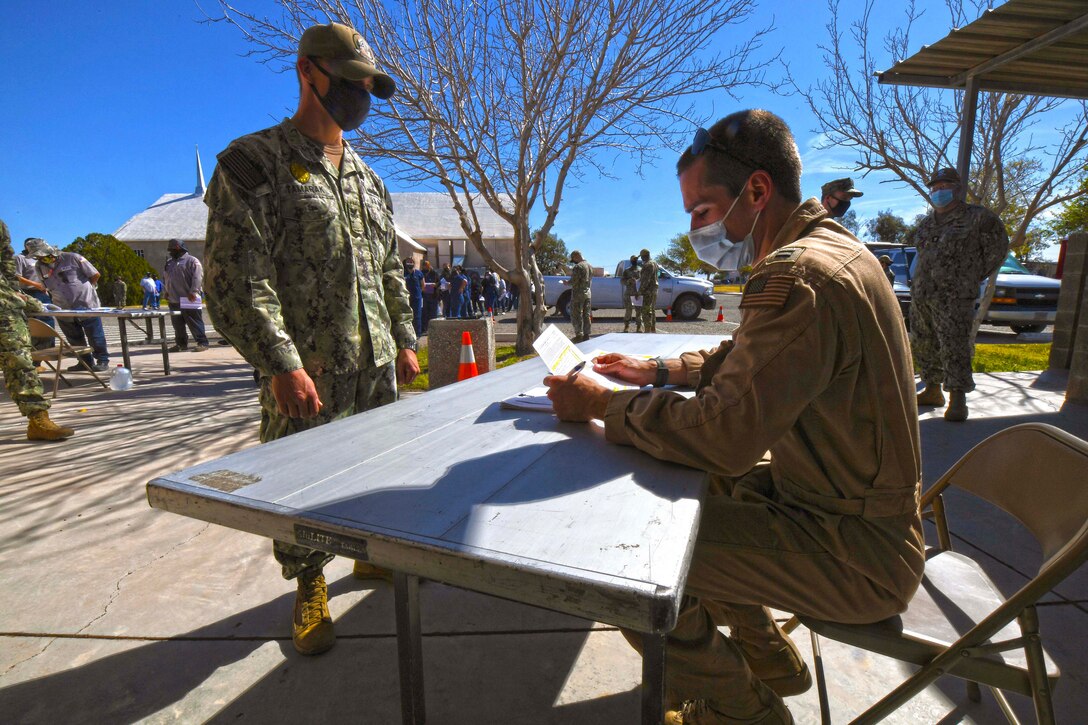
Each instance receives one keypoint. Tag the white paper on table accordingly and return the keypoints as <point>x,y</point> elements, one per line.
<point>188,304</point>
<point>559,354</point>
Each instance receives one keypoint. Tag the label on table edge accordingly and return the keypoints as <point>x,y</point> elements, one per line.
<point>328,541</point>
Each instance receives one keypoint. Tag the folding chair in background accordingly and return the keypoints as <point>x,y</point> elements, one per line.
<point>958,623</point>
<point>52,356</point>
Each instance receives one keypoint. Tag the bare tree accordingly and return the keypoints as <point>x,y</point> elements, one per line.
<point>912,131</point>
<point>505,103</point>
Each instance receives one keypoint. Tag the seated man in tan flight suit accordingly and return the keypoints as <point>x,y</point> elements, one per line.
<point>819,374</point>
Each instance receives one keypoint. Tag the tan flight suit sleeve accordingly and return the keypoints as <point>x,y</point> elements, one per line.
<point>781,358</point>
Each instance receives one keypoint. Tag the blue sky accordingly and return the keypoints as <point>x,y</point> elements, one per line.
<point>105,102</point>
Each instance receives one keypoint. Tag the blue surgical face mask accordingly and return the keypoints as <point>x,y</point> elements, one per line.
<point>712,246</point>
<point>941,197</point>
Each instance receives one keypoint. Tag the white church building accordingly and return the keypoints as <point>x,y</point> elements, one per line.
<point>426,225</point>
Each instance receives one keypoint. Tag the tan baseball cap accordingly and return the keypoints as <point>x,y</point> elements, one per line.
<point>346,54</point>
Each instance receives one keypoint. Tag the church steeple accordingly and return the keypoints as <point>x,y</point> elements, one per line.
<point>201,188</point>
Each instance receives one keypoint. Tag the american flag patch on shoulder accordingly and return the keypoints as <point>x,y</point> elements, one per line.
<point>771,291</point>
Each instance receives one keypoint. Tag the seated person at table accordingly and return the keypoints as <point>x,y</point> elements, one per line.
<point>71,282</point>
<point>819,374</point>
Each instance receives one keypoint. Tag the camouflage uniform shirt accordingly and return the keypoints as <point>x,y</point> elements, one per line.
<point>301,264</point>
<point>957,250</point>
<point>647,279</point>
<point>580,277</point>
<point>630,281</point>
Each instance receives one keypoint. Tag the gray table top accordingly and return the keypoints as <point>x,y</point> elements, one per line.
<point>448,486</point>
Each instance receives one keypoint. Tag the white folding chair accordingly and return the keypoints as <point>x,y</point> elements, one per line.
<point>959,623</point>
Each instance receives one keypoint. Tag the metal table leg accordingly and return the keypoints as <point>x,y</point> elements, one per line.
<point>653,679</point>
<point>409,649</point>
<point>124,342</point>
<point>165,352</point>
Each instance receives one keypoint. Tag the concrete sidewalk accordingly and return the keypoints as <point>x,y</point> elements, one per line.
<point>114,612</point>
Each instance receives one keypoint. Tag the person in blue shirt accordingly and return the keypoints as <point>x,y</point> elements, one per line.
<point>158,290</point>
<point>413,279</point>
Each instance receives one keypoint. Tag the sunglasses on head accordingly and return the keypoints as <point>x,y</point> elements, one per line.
<point>703,140</point>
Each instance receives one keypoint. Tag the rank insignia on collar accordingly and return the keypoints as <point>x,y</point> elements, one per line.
<point>300,173</point>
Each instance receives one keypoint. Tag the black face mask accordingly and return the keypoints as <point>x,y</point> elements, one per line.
<point>346,103</point>
<point>840,209</point>
<point>177,253</point>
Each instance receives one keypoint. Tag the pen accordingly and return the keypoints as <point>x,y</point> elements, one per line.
<point>575,370</point>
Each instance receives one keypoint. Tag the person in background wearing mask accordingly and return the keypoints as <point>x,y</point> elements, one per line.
<point>647,290</point>
<point>959,246</point>
<point>71,281</point>
<point>886,263</point>
<point>629,279</point>
<point>413,280</point>
<point>20,378</point>
<point>184,286</point>
<point>819,374</point>
<point>303,277</point>
<point>836,197</point>
<point>430,294</point>
<point>31,285</point>
<point>581,296</point>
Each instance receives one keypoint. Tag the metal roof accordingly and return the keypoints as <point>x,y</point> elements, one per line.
<point>1037,47</point>
<point>422,215</point>
<point>181,216</point>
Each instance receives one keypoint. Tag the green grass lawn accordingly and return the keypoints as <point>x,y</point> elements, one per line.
<point>1010,358</point>
<point>504,355</point>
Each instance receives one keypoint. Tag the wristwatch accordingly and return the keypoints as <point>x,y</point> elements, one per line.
<point>662,378</point>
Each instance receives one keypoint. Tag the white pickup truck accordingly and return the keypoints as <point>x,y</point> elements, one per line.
<point>687,296</point>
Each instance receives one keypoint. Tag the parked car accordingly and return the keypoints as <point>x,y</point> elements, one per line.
<point>902,264</point>
<point>687,296</point>
<point>1023,301</point>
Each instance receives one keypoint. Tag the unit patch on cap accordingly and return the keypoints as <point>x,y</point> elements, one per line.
<point>301,174</point>
<point>770,291</point>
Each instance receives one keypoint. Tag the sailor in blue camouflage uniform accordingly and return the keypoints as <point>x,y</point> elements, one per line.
<point>959,246</point>
<point>303,276</point>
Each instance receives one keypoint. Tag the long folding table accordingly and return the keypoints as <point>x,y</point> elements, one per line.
<point>448,486</point>
<point>123,318</point>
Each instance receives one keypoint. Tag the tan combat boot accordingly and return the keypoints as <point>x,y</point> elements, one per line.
<point>311,630</point>
<point>957,406</point>
<point>931,396</point>
<point>784,671</point>
<point>40,428</point>
<point>366,571</point>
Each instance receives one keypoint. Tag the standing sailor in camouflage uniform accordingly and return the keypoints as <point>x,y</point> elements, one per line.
<point>303,276</point>
<point>22,381</point>
<point>836,197</point>
<point>647,288</point>
<point>629,280</point>
<point>959,246</point>
<point>581,296</point>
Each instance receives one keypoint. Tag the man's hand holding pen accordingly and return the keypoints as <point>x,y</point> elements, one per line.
<point>575,397</point>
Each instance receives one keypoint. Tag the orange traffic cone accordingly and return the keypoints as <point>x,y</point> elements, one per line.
<point>467,368</point>
<point>721,317</point>
<point>668,314</point>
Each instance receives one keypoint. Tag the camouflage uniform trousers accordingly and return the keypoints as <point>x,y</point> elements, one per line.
<point>631,312</point>
<point>341,396</point>
<point>940,336</point>
<point>22,381</point>
<point>580,306</point>
<point>649,311</point>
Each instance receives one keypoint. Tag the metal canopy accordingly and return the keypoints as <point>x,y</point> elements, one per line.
<point>1038,47</point>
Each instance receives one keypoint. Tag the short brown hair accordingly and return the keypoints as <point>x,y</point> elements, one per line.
<point>748,141</point>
